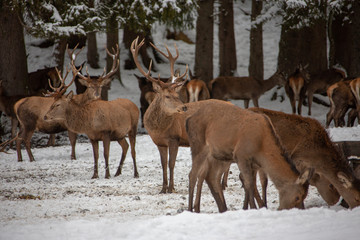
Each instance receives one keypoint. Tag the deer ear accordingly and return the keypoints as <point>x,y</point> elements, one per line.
<point>344,179</point>
<point>305,176</point>
<point>156,87</point>
<point>83,82</point>
<point>70,95</point>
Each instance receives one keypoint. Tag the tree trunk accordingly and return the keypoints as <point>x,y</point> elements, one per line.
<point>227,48</point>
<point>112,38</point>
<point>13,65</point>
<point>128,38</point>
<point>92,53</point>
<point>256,62</point>
<point>204,40</point>
<point>59,53</point>
<point>306,45</point>
<point>346,35</point>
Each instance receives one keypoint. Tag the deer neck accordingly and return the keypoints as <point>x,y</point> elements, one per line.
<point>156,118</point>
<point>268,84</point>
<point>77,117</point>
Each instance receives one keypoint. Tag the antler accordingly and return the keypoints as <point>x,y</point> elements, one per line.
<point>59,91</point>
<point>115,65</point>
<point>172,61</point>
<point>135,52</point>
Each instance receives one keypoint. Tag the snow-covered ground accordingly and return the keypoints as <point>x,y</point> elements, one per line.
<point>55,198</point>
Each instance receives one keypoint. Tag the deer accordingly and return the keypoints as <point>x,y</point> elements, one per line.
<point>38,80</point>
<point>341,100</point>
<point>163,123</point>
<point>244,88</point>
<point>30,111</point>
<point>249,139</point>
<point>197,90</point>
<point>295,87</point>
<point>320,82</point>
<point>100,120</point>
<point>355,89</point>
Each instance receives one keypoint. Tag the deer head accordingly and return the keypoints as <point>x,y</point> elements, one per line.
<point>167,93</point>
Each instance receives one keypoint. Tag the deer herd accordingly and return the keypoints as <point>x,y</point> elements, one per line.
<point>293,151</point>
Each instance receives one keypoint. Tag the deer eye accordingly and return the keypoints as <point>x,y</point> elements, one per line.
<point>167,96</point>
<point>297,199</point>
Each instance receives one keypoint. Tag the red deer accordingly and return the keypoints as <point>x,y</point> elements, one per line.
<point>320,82</point>
<point>341,100</point>
<point>164,125</point>
<point>244,88</point>
<point>30,111</point>
<point>296,86</point>
<point>312,148</point>
<point>355,89</point>
<point>197,90</point>
<point>101,121</point>
<point>39,80</point>
<point>248,139</point>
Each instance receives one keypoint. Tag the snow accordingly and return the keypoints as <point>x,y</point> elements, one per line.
<point>54,197</point>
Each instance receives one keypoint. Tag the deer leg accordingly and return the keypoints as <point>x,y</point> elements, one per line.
<point>246,103</point>
<point>292,103</point>
<point>173,150</point>
<point>248,180</point>
<point>224,179</point>
<point>27,140</point>
<point>132,139</point>
<point>300,102</point>
<point>125,146</point>
<point>351,117</point>
<point>14,124</point>
<point>164,158</point>
<point>106,144</point>
<point>310,99</point>
<point>95,145</point>
<point>192,182</point>
<point>264,183</point>
<point>51,141</point>
<point>256,102</point>
<point>330,116</point>
<point>72,138</point>
<point>198,193</point>
<point>213,180</point>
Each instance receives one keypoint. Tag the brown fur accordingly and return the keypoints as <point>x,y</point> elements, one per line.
<point>296,86</point>
<point>320,82</point>
<point>248,139</point>
<point>39,80</point>
<point>355,89</point>
<point>311,148</point>
<point>341,100</point>
<point>100,121</point>
<point>197,90</point>
<point>244,88</point>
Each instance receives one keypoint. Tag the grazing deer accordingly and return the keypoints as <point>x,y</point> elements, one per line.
<point>312,138</point>
<point>244,88</point>
<point>249,140</point>
<point>320,82</point>
<point>296,86</point>
<point>7,106</point>
<point>341,100</point>
<point>30,111</point>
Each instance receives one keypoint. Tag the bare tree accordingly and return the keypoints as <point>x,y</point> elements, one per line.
<point>227,48</point>
<point>204,40</point>
<point>256,62</point>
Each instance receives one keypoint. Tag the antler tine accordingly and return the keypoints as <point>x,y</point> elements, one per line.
<point>57,90</point>
<point>170,58</point>
<point>73,57</point>
<point>116,62</point>
<point>134,48</point>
